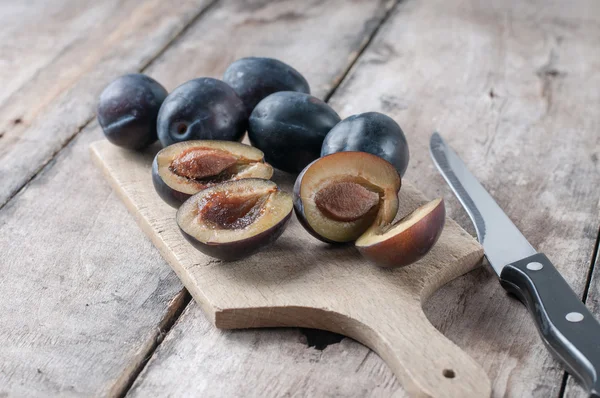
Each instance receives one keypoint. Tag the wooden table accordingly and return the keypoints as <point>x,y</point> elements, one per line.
<point>90,308</point>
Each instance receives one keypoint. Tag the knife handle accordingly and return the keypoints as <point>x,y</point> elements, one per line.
<point>565,324</point>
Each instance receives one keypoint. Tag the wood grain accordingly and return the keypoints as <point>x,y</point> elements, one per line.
<point>55,104</point>
<point>113,344</point>
<point>491,53</point>
<point>259,363</point>
<point>299,281</point>
<point>321,39</point>
<point>35,32</point>
<point>79,313</point>
<point>511,86</point>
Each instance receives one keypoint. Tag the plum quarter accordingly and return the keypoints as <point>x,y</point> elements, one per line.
<point>183,169</point>
<point>235,219</point>
<point>339,196</point>
<point>407,240</point>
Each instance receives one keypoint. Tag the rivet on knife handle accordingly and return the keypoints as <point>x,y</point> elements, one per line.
<point>566,325</point>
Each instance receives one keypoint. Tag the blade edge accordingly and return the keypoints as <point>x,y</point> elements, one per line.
<point>502,241</point>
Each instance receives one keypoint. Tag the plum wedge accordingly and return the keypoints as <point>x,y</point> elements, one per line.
<point>407,240</point>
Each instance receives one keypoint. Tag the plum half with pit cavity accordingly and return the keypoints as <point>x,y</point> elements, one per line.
<point>254,78</point>
<point>202,109</point>
<point>235,219</point>
<point>183,169</point>
<point>407,240</point>
<point>339,196</point>
<point>128,109</point>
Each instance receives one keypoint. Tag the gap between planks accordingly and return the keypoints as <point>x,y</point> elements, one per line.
<point>360,52</point>
<point>182,299</point>
<point>126,380</point>
<point>331,92</point>
<point>159,52</point>
<point>567,380</point>
<point>590,275</point>
<point>320,337</point>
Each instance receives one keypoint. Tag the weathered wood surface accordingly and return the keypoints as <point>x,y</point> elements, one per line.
<point>79,313</point>
<point>513,87</point>
<point>464,68</point>
<point>35,32</point>
<point>56,102</point>
<point>69,229</point>
<point>501,105</point>
<point>299,281</point>
<point>321,39</point>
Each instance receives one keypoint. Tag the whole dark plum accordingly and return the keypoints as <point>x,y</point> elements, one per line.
<point>202,109</point>
<point>289,127</point>
<point>128,108</point>
<point>370,132</point>
<point>256,78</point>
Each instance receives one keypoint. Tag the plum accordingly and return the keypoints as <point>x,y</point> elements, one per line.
<point>352,197</point>
<point>370,132</point>
<point>128,109</point>
<point>255,78</point>
<point>202,109</point>
<point>289,127</point>
<point>183,169</point>
<point>406,241</point>
<point>339,196</point>
<point>235,219</point>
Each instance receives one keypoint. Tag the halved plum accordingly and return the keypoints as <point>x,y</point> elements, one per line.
<point>339,196</point>
<point>235,219</point>
<point>407,240</point>
<point>183,169</point>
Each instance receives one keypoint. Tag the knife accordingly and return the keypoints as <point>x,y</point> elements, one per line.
<point>566,326</point>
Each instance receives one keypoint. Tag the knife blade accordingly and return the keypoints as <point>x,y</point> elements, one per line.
<point>566,326</point>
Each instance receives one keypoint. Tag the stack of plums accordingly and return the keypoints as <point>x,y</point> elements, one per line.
<point>349,170</point>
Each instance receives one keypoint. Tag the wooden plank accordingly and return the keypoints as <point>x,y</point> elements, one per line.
<point>510,85</point>
<point>79,313</point>
<point>35,32</point>
<point>196,359</point>
<point>46,112</point>
<point>299,281</point>
<point>320,39</point>
<point>92,253</point>
<point>414,77</point>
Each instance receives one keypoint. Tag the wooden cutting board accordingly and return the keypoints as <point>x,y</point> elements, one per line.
<point>299,281</point>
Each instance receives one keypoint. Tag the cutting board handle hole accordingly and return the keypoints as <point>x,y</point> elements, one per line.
<point>449,373</point>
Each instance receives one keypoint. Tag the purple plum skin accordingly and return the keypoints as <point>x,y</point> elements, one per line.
<point>299,209</point>
<point>128,108</point>
<point>171,196</point>
<point>202,109</point>
<point>289,127</point>
<point>237,250</point>
<point>255,78</point>
<point>370,132</point>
